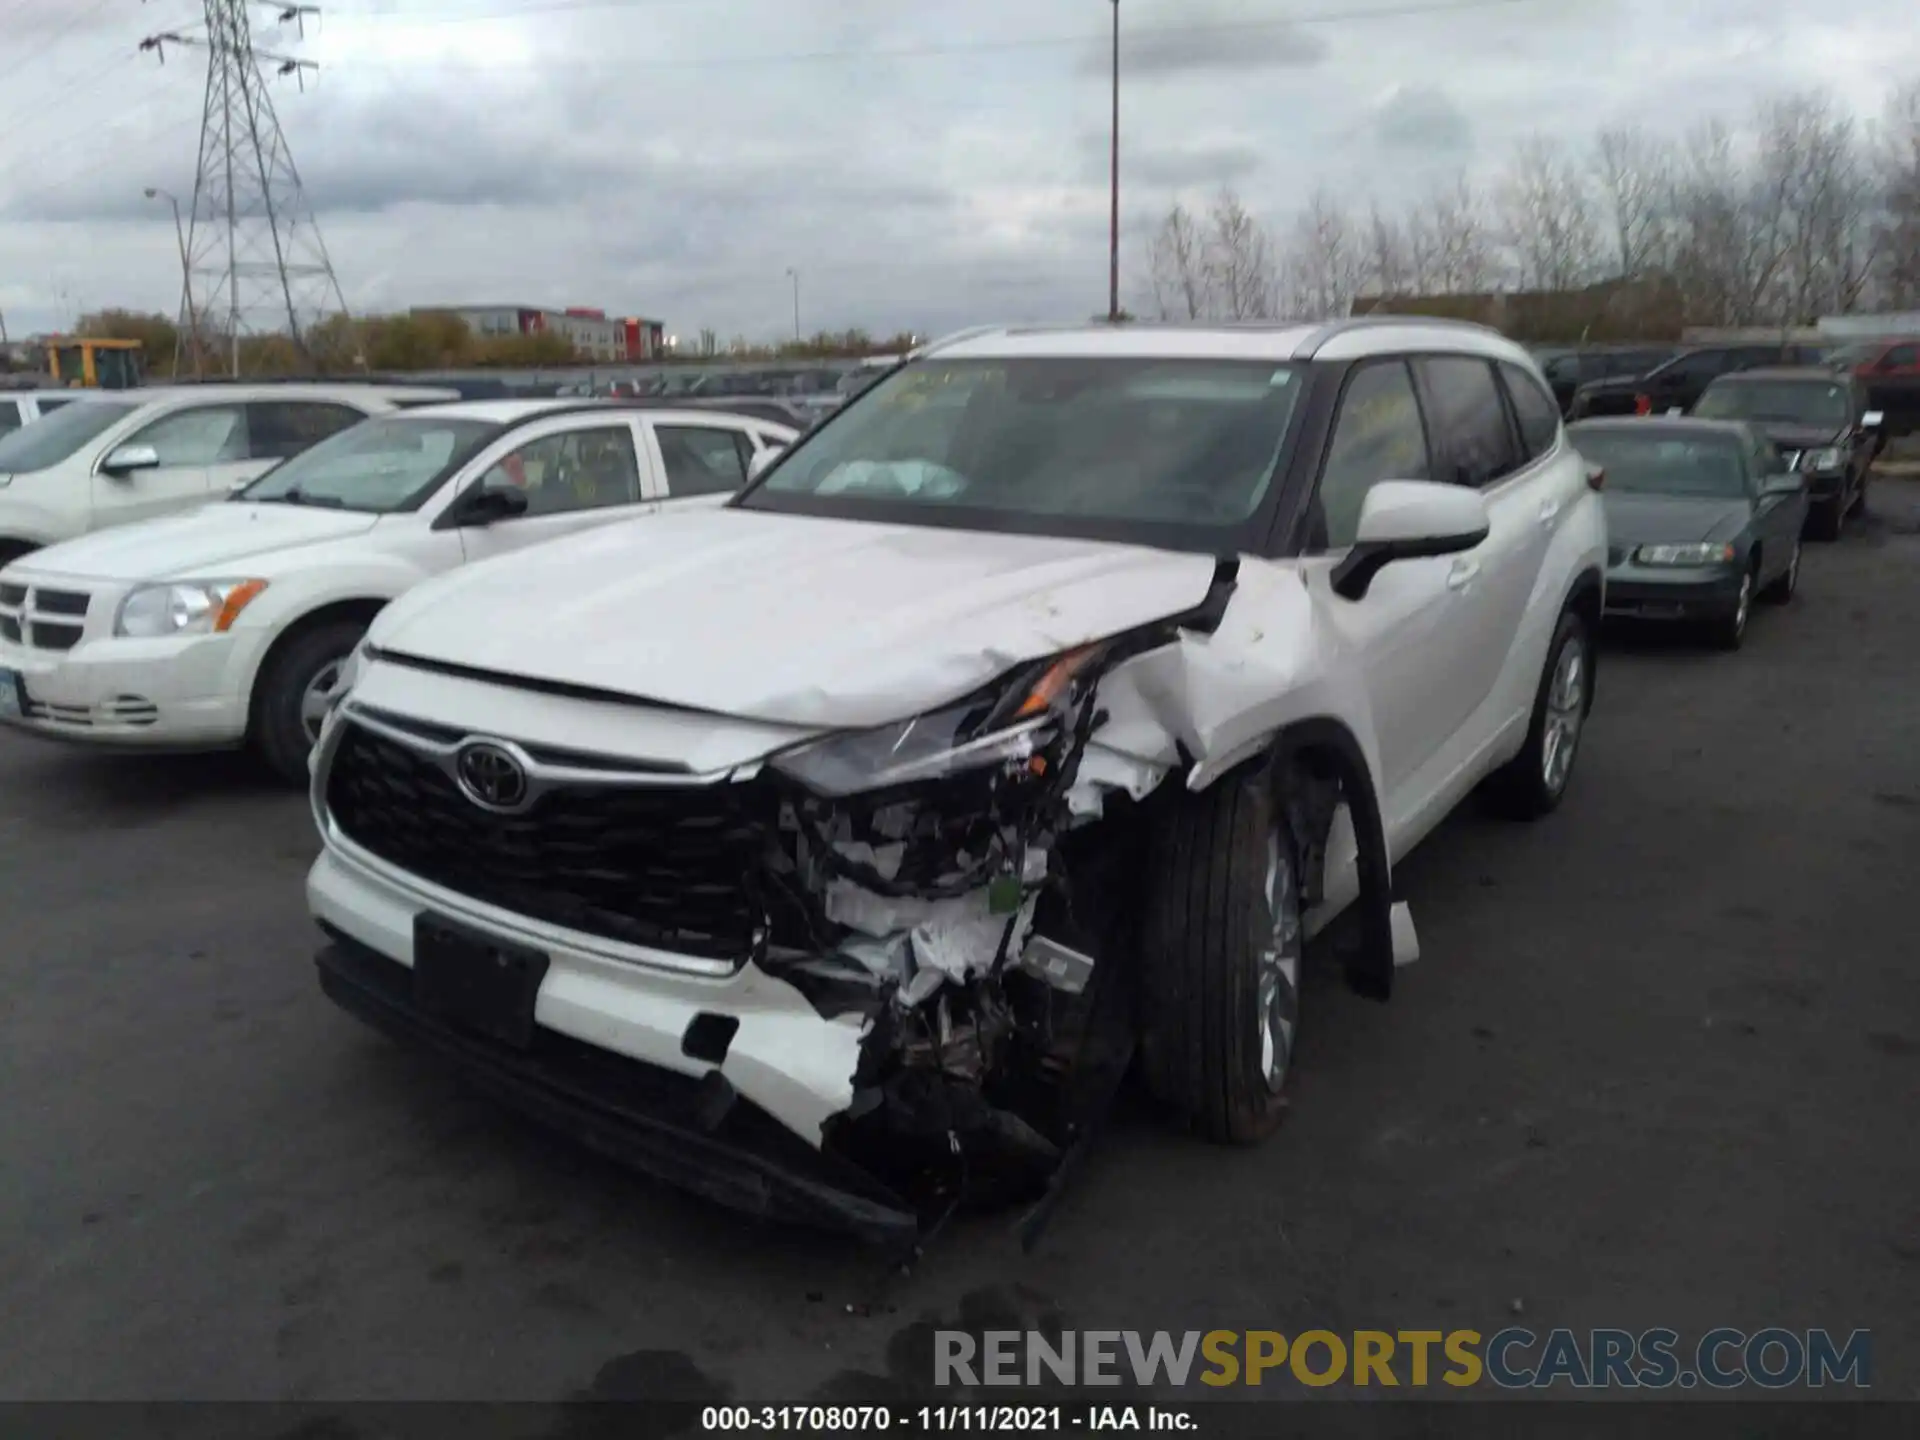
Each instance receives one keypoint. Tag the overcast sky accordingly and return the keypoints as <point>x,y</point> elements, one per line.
<point>922,166</point>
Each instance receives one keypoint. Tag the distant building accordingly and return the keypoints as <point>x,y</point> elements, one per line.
<point>591,332</point>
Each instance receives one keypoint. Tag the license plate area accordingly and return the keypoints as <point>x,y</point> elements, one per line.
<point>13,695</point>
<point>476,981</point>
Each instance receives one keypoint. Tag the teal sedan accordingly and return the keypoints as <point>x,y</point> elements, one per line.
<point>1703,517</point>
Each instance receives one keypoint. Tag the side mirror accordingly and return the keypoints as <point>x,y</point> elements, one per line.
<point>1409,520</point>
<point>762,461</point>
<point>486,504</point>
<point>123,460</point>
<point>1872,420</point>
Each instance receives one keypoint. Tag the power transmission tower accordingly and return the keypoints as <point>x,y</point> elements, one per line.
<point>255,262</point>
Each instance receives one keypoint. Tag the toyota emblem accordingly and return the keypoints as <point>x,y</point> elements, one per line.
<point>490,776</point>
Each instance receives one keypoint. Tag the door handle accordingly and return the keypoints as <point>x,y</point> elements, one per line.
<point>1548,510</point>
<point>1462,574</point>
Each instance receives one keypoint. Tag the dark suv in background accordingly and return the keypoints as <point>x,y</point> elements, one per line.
<point>1679,382</point>
<point>1567,370</point>
<point>1820,421</point>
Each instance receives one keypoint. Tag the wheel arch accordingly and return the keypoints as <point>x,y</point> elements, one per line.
<point>1586,598</point>
<point>357,608</point>
<point>1324,745</point>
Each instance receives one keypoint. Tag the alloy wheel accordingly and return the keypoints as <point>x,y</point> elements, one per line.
<point>1278,968</point>
<point>1566,712</point>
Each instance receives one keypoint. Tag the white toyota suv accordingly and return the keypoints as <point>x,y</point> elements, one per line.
<point>130,455</point>
<point>231,623</point>
<point>830,852</point>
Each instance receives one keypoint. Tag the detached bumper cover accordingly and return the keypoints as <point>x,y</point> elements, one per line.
<point>1632,592</point>
<point>696,1134</point>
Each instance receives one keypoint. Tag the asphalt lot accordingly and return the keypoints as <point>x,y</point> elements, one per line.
<point>1659,1065</point>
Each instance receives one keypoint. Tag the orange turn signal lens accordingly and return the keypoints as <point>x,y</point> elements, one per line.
<point>1053,682</point>
<point>238,598</point>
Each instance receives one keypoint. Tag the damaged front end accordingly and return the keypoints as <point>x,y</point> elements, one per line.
<point>932,877</point>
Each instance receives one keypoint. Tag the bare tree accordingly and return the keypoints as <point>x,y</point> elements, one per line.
<point>1458,239</point>
<point>1327,259</point>
<point>1813,202</point>
<point>1633,175</point>
<point>1547,217</point>
<point>1389,266</point>
<point>1898,227</point>
<point>1177,268</point>
<point>1239,262</point>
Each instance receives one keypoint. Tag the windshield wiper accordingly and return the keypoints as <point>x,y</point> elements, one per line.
<point>294,495</point>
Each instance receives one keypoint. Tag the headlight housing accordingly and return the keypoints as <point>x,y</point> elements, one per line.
<point>1010,723</point>
<point>184,607</point>
<point>1829,458</point>
<point>1704,553</point>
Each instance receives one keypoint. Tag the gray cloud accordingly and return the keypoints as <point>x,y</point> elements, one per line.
<point>1423,118</point>
<point>1171,52</point>
<point>1204,161</point>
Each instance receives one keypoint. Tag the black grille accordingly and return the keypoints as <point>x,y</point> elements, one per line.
<point>10,628</point>
<point>13,594</point>
<point>54,637</point>
<point>671,867</point>
<point>60,602</point>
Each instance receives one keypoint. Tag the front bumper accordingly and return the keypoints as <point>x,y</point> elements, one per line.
<point>1643,592</point>
<point>698,1134</point>
<point>1825,485</point>
<point>612,1030</point>
<point>148,694</point>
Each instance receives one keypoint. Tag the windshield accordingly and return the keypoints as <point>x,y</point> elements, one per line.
<point>1779,402</point>
<point>47,442</point>
<point>392,463</point>
<point>1643,464</point>
<point>1053,443</point>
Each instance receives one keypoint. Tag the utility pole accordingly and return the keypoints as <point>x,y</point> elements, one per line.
<point>1113,185</point>
<point>253,250</point>
<point>794,275</point>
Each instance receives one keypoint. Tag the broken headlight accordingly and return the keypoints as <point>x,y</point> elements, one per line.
<point>1009,723</point>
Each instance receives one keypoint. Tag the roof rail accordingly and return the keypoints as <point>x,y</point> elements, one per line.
<point>1335,328</point>
<point>972,332</point>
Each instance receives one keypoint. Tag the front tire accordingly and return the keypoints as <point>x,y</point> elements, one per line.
<point>1730,632</point>
<point>1220,961</point>
<point>1534,781</point>
<point>1788,584</point>
<point>291,695</point>
<point>1825,520</point>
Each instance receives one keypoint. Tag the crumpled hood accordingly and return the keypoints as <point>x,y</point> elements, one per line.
<point>206,543</point>
<point>1671,519</point>
<point>781,618</point>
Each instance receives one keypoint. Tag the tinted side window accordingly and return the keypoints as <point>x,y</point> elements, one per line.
<point>9,416</point>
<point>703,459</point>
<point>1901,356</point>
<point>1701,366</point>
<point>1539,417</point>
<point>202,435</point>
<point>1472,439</point>
<point>47,407</point>
<point>282,428</point>
<point>1377,436</point>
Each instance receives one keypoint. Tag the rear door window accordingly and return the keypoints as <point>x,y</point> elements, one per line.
<point>1473,440</point>
<point>703,459</point>
<point>10,416</point>
<point>1534,408</point>
<point>280,429</point>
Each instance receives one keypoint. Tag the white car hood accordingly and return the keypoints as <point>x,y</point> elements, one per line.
<point>208,543</point>
<point>780,618</point>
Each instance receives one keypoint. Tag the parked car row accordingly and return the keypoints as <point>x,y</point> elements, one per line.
<point>829,821</point>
